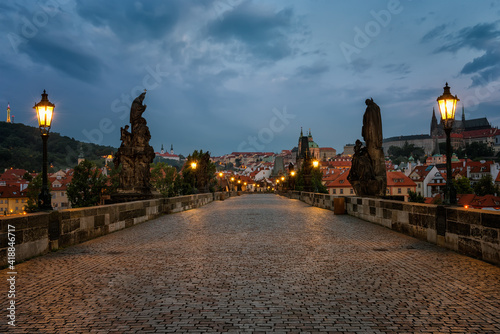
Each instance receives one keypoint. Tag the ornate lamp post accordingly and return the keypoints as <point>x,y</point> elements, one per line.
<point>193,167</point>
<point>447,105</point>
<point>44,111</point>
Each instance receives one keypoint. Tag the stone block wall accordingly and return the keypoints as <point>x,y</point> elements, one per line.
<point>38,233</point>
<point>475,233</point>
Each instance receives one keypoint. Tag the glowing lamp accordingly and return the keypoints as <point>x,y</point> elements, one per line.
<point>193,165</point>
<point>447,105</point>
<point>292,173</point>
<point>315,163</point>
<point>44,111</point>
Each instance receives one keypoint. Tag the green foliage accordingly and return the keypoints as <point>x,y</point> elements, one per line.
<point>317,185</point>
<point>163,178</point>
<point>399,154</point>
<point>462,186</point>
<point>87,185</point>
<point>200,180</point>
<point>415,197</point>
<point>474,151</point>
<point>21,147</point>
<point>485,186</point>
<point>114,178</point>
<point>32,192</point>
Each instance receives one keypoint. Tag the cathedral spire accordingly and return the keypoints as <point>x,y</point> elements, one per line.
<point>434,123</point>
<point>301,134</point>
<point>463,115</point>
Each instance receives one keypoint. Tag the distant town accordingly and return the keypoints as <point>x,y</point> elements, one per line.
<point>416,168</point>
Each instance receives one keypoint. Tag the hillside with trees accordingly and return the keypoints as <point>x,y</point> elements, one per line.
<point>21,147</point>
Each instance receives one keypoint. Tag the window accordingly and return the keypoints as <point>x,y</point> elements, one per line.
<point>399,190</point>
<point>334,191</point>
<point>341,191</point>
<point>351,191</point>
<point>17,201</point>
<point>408,190</point>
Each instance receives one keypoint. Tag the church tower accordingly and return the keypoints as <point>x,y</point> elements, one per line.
<point>172,149</point>
<point>162,151</point>
<point>8,113</point>
<point>434,124</point>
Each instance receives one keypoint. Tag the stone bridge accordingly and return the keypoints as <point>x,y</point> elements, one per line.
<point>260,263</point>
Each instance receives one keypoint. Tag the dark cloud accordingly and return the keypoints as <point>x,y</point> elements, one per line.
<point>490,58</point>
<point>65,57</point>
<point>359,65</point>
<point>482,37</point>
<point>402,68</point>
<point>262,32</point>
<point>134,20</point>
<point>434,33</point>
<point>314,70</point>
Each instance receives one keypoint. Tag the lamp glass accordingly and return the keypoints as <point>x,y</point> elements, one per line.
<point>447,104</point>
<point>44,114</point>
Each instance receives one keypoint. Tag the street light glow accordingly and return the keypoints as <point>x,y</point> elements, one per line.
<point>447,105</point>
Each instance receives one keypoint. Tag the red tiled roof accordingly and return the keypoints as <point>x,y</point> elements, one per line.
<point>398,179</point>
<point>341,181</point>
<point>166,155</point>
<point>12,174</point>
<point>481,133</point>
<point>11,192</point>
<point>479,202</point>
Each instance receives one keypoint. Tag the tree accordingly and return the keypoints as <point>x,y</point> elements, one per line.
<point>163,179</point>
<point>199,180</point>
<point>316,181</point>
<point>87,185</point>
<point>32,192</point>
<point>415,197</point>
<point>485,186</point>
<point>399,154</point>
<point>462,185</point>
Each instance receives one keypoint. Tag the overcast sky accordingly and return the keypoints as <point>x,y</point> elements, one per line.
<point>234,75</point>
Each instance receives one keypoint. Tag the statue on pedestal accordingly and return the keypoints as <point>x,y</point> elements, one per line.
<point>368,174</point>
<point>135,154</point>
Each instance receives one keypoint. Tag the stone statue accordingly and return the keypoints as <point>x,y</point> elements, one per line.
<point>135,154</point>
<point>368,173</point>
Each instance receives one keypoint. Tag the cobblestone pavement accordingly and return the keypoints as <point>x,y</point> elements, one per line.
<point>258,263</point>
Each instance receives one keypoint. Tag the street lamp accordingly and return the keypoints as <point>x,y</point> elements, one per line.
<point>193,167</point>
<point>44,111</point>
<point>315,163</point>
<point>447,105</point>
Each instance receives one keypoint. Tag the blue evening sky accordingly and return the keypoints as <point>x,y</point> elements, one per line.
<point>235,75</point>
